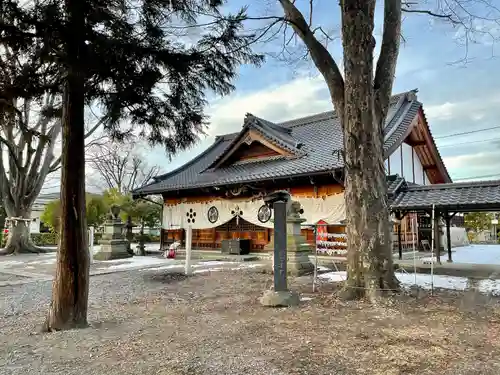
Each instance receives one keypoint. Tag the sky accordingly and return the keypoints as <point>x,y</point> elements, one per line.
<point>457,97</point>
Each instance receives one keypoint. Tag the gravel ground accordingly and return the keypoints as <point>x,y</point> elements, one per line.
<point>156,323</point>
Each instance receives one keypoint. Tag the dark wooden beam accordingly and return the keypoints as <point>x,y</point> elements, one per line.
<point>448,236</point>
<point>400,248</point>
<point>429,167</point>
<point>416,143</point>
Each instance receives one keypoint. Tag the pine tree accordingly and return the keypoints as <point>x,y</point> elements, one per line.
<point>134,61</point>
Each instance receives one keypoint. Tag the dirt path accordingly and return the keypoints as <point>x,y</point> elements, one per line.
<point>156,323</point>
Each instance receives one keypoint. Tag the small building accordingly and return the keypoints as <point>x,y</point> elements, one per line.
<point>219,193</point>
<point>36,225</point>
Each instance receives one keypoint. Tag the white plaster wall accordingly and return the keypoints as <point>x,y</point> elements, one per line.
<point>395,162</point>
<point>35,221</point>
<point>419,170</point>
<point>407,162</point>
<point>426,180</point>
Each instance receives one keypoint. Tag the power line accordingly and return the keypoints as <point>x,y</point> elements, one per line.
<point>468,143</point>
<point>483,176</point>
<point>465,133</point>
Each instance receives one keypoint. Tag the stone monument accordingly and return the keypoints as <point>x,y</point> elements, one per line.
<point>298,250</point>
<point>129,234</point>
<point>113,244</point>
<point>280,295</point>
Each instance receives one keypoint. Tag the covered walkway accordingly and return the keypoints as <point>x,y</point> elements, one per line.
<point>446,200</point>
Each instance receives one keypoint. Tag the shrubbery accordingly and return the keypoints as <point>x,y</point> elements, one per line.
<point>45,239</point>
<point>51,239</point>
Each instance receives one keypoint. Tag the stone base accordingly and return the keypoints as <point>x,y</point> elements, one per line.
<point>114,249</point>
<point>279,299</point>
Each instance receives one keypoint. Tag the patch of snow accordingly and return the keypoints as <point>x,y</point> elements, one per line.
<point>250,265</point>
<point>440,281</point>
<point>333,277</point>
<point>474,254</point>
<point>136,261</point>
<point>169,267</point>
<point>209,270</point>
<point>489,286</point>
<point>10,263</point>
<point>322,268</point>
<point>210,263</point>
<point>422,280</point>
<point>47,261</point>
<point>305,298</point>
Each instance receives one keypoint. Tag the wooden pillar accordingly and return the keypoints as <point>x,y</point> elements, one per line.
<point>448,236</point>
<point>399,217</point>
<point>400,249</point>
<point>437,237</point>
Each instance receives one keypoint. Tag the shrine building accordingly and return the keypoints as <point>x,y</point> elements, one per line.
<point>219,193</point>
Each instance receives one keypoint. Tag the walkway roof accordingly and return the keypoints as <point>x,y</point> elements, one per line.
<point>453,197</point>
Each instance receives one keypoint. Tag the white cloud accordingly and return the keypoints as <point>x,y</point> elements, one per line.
<point>300,97</point>
<point>474,164</point>
<point>473,109</point>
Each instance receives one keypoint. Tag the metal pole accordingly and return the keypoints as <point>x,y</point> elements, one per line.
<point>189,236</point>
<point>315,231</point>
<point>280,271</point>
<point>91,244</point>
<point>432,252</point>
<point>448,236</point>
<point>415,227</point>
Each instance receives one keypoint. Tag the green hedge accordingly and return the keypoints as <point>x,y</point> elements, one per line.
<point>45,239</point>
<point>51,239</point>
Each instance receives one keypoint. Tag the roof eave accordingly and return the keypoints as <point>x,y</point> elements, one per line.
<point>305,174</point>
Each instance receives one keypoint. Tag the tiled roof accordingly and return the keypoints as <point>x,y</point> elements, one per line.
<point>459,196</point>
<point>320,136</point>
<point>278,135</point>
<point>394,184</point>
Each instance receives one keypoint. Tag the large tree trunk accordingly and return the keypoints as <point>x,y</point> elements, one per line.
<point>370,269</point>
<point>19,239</point>
<point>71,285</point>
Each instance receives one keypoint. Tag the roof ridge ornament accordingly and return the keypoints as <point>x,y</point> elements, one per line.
<point>412,95</point>
<point>249,118</point>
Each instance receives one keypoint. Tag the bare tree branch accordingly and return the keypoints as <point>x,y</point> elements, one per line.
<point>319,54</point>
<point>386,64</point>
<point>118,167</point>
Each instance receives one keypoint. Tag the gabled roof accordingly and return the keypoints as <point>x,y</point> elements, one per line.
<point>464,196</point>
<point>276,135</point>
<point>320,137</point>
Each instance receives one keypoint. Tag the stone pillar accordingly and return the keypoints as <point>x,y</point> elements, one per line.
<point>113,244</point>
<point>280,295</point>
<point>298,250</point>
<point>129,235</point>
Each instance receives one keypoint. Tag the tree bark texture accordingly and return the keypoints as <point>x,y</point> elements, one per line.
<point>71,284</point>
<point>370,269</point>
<point>361,102</point>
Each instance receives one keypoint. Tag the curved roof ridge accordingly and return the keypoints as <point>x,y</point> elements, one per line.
<point>185,165</point>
